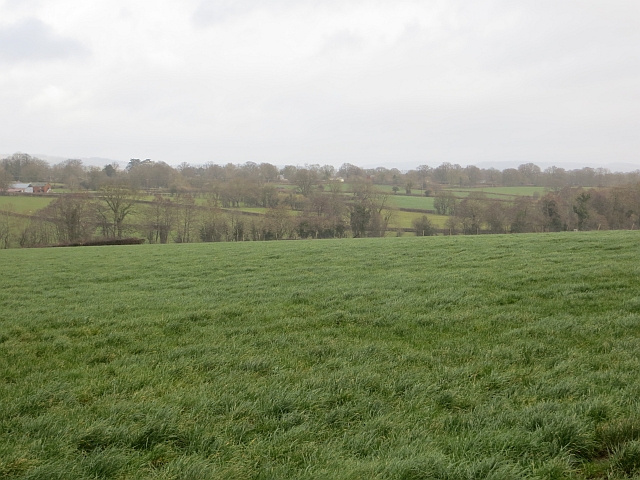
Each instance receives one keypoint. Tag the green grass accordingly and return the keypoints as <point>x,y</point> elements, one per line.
<point>389,188</point>
<point>253,210</point>
<point>286,186</point>
<point>498,357</point>
<point>23,204</point>
<point>497,192</point>
<point>404,201</point>
<point>348,188</point>
<point>405,219</point>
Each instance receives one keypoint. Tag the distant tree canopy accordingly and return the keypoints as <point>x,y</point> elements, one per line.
<point>25,168</point>
<point>148,174</point>
<point>252,201</point>
<point>5,179</point>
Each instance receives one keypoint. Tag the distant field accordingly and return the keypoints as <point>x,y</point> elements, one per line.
<point>24,204</point>
<point>347,187</point>
<point>252,210</point>
<point>405,219</point>
<point>498,357</point>
<point>389,188</point>
<point>404,201</point>
<point>501,191</point>
<point>286,186</point>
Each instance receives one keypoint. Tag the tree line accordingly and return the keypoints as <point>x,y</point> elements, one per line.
<point>118,210</point>
<point>201,204</point>
<point>566,209</point>
<point>245,180</point>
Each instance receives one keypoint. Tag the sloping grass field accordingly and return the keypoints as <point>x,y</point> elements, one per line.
<point>401,219</point>
<point>498,357</point>
<point>406,201</point>
<point>24,204</point>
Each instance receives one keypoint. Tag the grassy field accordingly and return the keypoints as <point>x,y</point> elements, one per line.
<point>497,357</point>
<point>463,191</point>
<point>348,187</point>
<point>497,192</point>
<point>405,201</point>
<point>405,219</point>
<point>23,204</point>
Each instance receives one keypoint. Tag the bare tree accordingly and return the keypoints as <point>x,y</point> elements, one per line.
<point>160,219</point>
<point>6,224</point>
<point>213,225</point>
<point>268,172</point>
<point>445,203</point>
<point>523,215</point>
<point>424,171</point>
<point>581,209</point>
<point>95,178</point>
<point>408,187</point>
<point>451,225</point>
<point>38,233</point>
<point>72,217</point>
<point>423,226</point>
<point>185,218</point>
<point>269,196</point>
<point>470,212</point>
<point>369,214</point>
<point>305,179</point>
<point>236,227</point>
<point>495,216</point>
<point>278,223</point>
<point>25,168</point>
<point>5,179</point>
<point>70,172</point>
<point>117,203</point>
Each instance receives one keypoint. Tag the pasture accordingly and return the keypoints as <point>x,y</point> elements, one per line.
<point>401,219</point>
<point>498,192</point>
<point>26,205</point>
<point>499,357</point>
<point>406,201</point>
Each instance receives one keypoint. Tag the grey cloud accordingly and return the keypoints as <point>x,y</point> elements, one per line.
<point>33,40</point>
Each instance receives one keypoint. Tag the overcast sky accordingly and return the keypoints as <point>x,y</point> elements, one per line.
<point>394,83</point>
